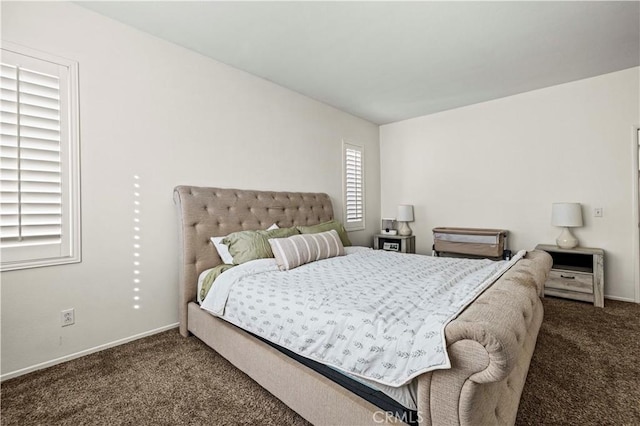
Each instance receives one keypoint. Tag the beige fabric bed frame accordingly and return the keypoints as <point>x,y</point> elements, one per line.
<point>490,344</point>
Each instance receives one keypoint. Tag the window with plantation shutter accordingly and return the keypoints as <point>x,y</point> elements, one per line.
<point>39,205</point>
<point>353,157</point>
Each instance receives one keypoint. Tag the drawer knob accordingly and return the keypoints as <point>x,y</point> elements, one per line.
<point>568,277</point>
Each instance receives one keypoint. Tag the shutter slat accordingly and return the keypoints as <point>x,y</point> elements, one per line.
<point>9,207</point>
<point>27,241</point>
<point>9,117</point>
<point>42,208</point>
<point>40,198</point>
<point>7,70</point>
<point>8,81</point>
<point>11,107</point>
<point>35,220</point>
<point>42,220</point>
<point>8,186</point>
<point>9,163</point>
<point>39,122</point>
<point>39,91</point>
<point>33,143</point>
<point>39,79</point>
<point>42,144</point>
<point>41,176</point>
<point>7,94</point>
<point>8,220</point>
<point>31,154</point>
<point>31,94</point>
<point>8,129</point>
<point>10,177</point>
<point>40,111</point>
<point>38,230</point>
<point>34,99</point>
<point>39,133</point>
<point>40,166</point>
<point>41,187</point>
<point>9,232</point>
<point>40,155</point>
<point>11,130</point>
<point>7,140</point>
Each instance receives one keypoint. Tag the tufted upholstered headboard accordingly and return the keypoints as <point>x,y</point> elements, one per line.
<point>211,212</point>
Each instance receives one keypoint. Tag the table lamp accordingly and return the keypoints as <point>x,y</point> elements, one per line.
<point>405,215</point>
<point>566,215</point>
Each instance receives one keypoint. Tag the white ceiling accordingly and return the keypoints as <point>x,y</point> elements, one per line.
<point>389,61</point>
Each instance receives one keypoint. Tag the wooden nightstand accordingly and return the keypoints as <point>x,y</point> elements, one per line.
<point>397,243</point>
<point>577,273</point>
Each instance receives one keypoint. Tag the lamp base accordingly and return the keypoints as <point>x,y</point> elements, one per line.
<point>566,240</point>
<point>404,229</point>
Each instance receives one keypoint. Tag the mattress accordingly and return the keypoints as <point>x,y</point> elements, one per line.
<point>371,393</point>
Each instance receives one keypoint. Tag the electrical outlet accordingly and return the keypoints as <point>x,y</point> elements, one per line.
<point>67,317</point>
<point>597,212</point>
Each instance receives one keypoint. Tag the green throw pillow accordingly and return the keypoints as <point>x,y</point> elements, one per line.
<point>327,226</point>
<point>250,245</point>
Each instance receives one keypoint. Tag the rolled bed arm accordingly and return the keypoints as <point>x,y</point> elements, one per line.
<point>490,345</point>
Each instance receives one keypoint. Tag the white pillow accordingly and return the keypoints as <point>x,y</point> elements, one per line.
<point>223,250</point>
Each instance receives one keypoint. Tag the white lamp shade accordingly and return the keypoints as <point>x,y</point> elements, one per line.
<point>405,213</point>
<point>566,214</point>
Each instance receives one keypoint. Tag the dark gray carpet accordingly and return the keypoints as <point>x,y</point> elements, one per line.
<point>586,366</point>
<point>585,371</point>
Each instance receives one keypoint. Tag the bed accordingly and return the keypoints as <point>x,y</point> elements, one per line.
<point>489,344</point>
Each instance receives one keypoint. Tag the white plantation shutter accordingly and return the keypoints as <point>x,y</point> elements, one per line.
<point>353,186</point>
<point>38,160</point>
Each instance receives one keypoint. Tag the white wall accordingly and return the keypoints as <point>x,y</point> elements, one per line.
<point>501,164</point>
<point>170,116</point>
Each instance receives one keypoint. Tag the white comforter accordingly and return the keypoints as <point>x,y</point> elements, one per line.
<point>372,314</point>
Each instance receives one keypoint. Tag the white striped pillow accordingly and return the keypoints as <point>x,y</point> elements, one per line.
<point>297,250</point>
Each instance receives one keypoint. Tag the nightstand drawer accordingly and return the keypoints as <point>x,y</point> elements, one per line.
<point>572,281</point>
<point>577,273</point>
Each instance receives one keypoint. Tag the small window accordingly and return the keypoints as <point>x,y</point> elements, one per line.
<point>39,167</point>
<point>353,177</point>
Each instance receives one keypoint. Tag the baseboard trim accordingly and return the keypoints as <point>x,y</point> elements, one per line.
<point>89,351</point>
<point>621,299</point>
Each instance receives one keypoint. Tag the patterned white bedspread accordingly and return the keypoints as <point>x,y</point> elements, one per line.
<point>372,314</point>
